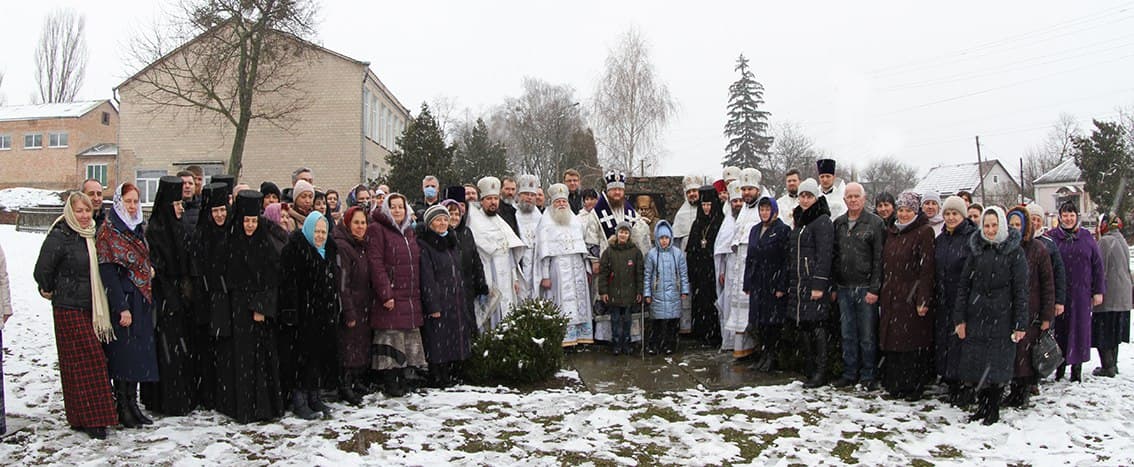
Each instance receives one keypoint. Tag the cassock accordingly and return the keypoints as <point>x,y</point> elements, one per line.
<point>500,251</point>
<point>561,258</point>
<point>702,275</point>
<point>528,224</point>
<point>835,201</point>
<point>721,253</point>
<point>736,318</point>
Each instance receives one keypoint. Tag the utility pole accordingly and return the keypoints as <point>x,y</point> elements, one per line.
<point>1022,180</point>
<point>980,170</point>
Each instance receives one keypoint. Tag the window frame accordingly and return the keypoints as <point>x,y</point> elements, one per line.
<point>58,136</point>
<point>147,182</point>
<point>7,138</point>
<point>103,167</point>
<point>33,136</point>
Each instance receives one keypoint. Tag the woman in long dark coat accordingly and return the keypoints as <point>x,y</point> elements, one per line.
<point>1110,322</point>
<point>176,392</point>
<point>248,380</point>
<point>1086,284</point>
<point>124,266</point>
<point>67,273</point>
<point>472,270</point>
<point>206,268</point>
<point>1041,306</point>
<point>354,290</point>
<point>765,280</point>
<point>309,302</point>
<point>905,324</point>
<point>951,250</point>
<point>702,270</point>
<point>810,256</point>
<point>395,275</point>
<point>447,331</point>
<point>991,312</point>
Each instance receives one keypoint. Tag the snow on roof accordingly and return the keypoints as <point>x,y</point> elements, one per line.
<point>101,149</point>
<point>949,179</point>
<point>42,111</point>
<point>1068,171</point>
<point>12,199</point>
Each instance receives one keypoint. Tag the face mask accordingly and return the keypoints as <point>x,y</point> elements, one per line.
<point>430,191</point>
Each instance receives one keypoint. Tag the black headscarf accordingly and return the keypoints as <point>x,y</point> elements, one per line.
<point>166,234</point>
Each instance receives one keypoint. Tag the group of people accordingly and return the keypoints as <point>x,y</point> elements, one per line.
<point>253,302</point>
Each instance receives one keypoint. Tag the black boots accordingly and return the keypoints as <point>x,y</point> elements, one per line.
<point>299,405</point>
<point>126,398</point>
<point>1019,393</point>
<point>315,403</point>
<point>1077,373</point>
<point>988,408</point>
<point>98,432</point>
<point>391,383</point>
<point>1109,366</point>
<point>818,346</point>
<point>347,388</point>
<point>440,374</point>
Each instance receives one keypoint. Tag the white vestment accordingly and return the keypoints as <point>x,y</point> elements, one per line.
<point>736,323</point>
<point>835,201</point>
<point>787,204</point>
<point>528,224</point>
<point>722,253</point>
<point>500,251</point>
<point>561,258</point>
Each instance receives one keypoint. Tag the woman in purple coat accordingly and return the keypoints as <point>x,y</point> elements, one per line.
<point>395,315</point>
<point>1086,285</point>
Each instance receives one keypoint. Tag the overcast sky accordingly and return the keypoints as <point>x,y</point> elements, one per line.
<point>915,80</point>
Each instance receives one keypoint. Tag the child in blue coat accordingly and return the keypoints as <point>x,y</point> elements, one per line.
<point>666,283</point>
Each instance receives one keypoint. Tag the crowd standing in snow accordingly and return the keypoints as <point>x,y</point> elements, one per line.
<point>253,303</point>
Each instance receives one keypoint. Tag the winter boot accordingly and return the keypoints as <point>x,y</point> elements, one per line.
<point>1077,373</point>
<point>819,345</point>
<point>954,392</point>
<point>390,384</point>
<point>984,406</point>
<point>299,405</point>
<point>966,395</point>
<point>1017,394</point>
<point>439,375</point>
<point>346,389</point>
<point>96,432</point>
<point>122,403</point>
<point>1107,367</point>
<point>132,398</point>
<point>993,414</point>
<point>411,380</point>
<point>315,403</point>
<point>1060,372</point>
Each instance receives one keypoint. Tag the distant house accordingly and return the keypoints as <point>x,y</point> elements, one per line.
<point>347,128</point>
<point>947,180</point>
<point>1062,184</point>
<point>50,146</point>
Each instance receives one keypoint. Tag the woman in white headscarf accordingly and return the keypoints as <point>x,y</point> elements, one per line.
<point>67,274</point>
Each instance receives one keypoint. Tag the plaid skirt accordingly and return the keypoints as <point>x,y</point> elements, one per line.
<point>82,370</point>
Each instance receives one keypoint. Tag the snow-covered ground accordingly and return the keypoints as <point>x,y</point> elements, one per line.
<point>1081,424</point>
<point>12,199</point>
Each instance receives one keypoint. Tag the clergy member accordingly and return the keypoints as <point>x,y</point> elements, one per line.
<point>736,318</point>
<point>831,187</point>
<point>527,220</point>
<point>561,266</point>
<point>721,252</point>
<point>500,252</point>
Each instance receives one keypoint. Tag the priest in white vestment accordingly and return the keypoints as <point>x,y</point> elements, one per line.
<point>561,266</point>
<point>500,252</point>
<point>528,216</point>
<point>722,250</point>
<point>736,321</point>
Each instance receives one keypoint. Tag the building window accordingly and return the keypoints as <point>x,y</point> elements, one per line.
<point>995,179</point>
<point>147,182</point>
<point>5,142</point>
<point>34,141</point>
<point>97,172</point>
<point>106,118</point>
<point>365,112</point>
<point>57,140</point>
<point>372,130</point>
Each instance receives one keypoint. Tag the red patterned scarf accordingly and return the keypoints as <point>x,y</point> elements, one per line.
<point>129,250</point>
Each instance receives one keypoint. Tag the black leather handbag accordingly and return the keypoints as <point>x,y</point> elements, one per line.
<point>1046,356</point>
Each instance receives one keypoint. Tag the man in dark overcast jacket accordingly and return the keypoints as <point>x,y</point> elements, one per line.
<point>858,277</point>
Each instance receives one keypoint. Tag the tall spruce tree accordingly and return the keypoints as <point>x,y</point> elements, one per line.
<point>747,127</point>
<point>422,151</point>
<point>478,156</point>
<point>1105,160</point>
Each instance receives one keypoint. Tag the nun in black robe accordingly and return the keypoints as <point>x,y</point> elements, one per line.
<point>175,392</point>
<point>702,272</point>
<point>248,384</point>
<point>208,294</point>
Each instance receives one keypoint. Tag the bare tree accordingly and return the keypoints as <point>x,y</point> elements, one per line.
<point>444,109</point>
<point>791,149</point>
<point>631,106</point>
<point>537,129</point>
<point>1057,146</point>
<point>889,175</point>
<point>61,57</point>
<point>236,60</point>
